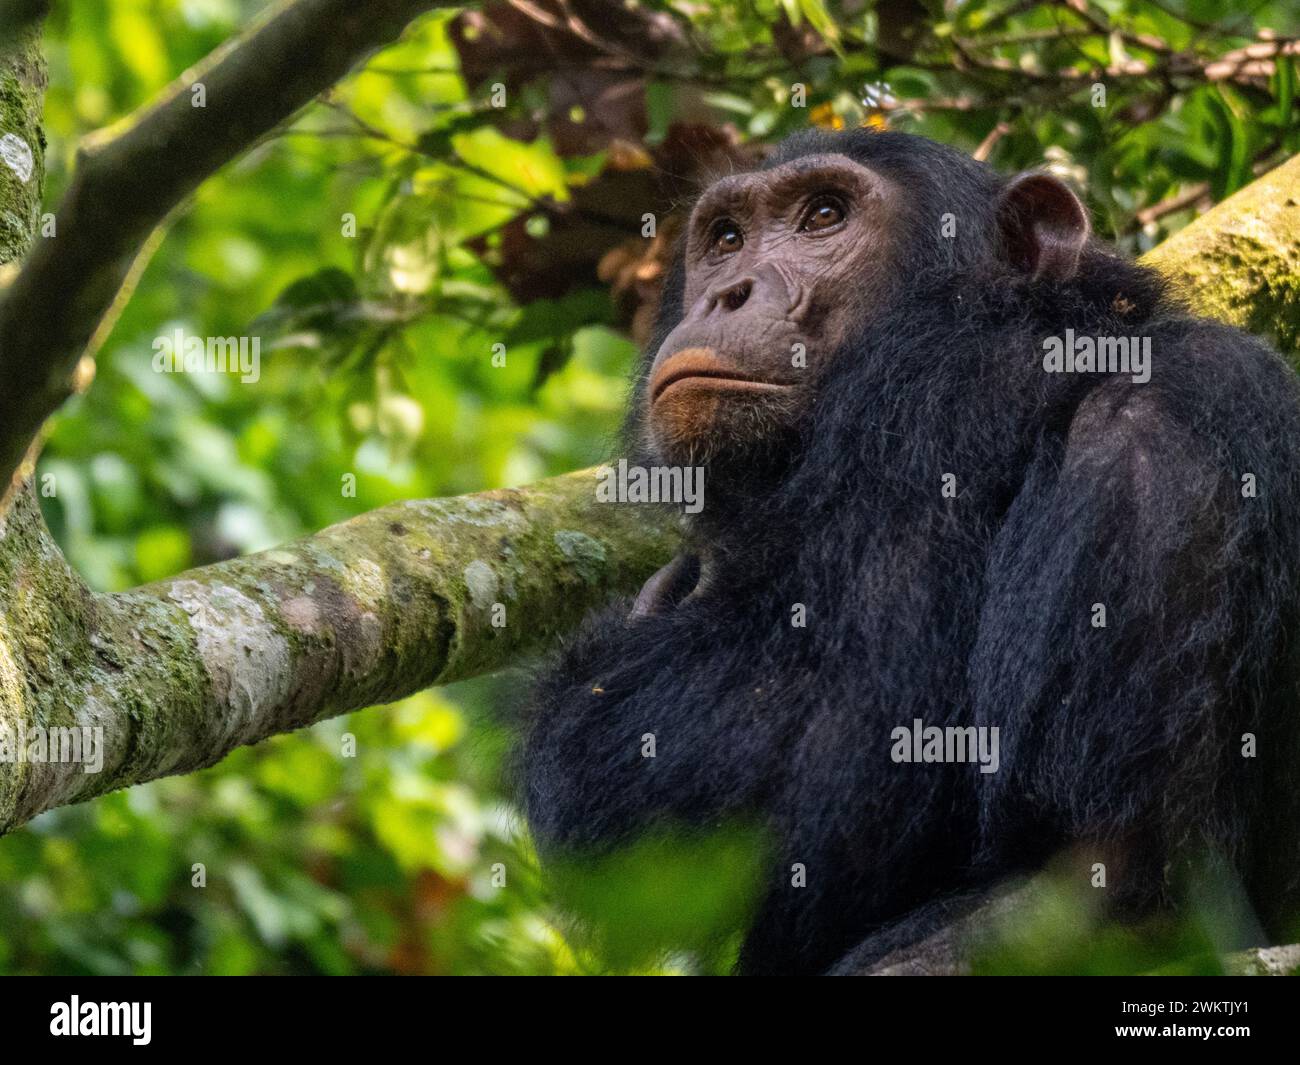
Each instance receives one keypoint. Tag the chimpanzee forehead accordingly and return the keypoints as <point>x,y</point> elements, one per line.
<point>821,172</point>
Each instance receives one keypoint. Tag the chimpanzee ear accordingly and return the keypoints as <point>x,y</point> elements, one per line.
<point>1044,226</point>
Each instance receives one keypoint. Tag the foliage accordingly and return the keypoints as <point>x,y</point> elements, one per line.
<point>382,248</point>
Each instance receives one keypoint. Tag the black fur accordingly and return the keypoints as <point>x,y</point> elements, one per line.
<point>1074,489</point>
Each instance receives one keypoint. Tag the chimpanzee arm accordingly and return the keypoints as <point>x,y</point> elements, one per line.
<point>1131,630</point>
<point>606,754</point>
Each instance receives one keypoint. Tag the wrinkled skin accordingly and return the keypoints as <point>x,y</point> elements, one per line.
<point>770,256</point>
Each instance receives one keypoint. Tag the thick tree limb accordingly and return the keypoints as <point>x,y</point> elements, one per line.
<point>179,673</point>
<point>1240,261</point>
<point>17,16</point>
<point>130,179</point>
<point>22,146</point>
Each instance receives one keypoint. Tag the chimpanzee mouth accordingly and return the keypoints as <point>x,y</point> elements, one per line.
<point>701,367</point>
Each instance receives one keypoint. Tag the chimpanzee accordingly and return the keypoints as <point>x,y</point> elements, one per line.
<point>966,468</point>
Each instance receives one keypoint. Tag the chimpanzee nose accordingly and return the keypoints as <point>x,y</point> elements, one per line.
<point>733,296</point>
<point>766,285</point>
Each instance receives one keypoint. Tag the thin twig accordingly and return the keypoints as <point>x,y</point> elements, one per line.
<point>129,178</point>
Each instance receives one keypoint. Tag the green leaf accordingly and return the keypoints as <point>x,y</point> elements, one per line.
<point>1233,139</point>
<point>682,891</point>
<point>534,168</point>
<point>1284,86</point>
<point>815,12</point>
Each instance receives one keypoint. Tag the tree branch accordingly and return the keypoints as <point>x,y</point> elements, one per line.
<point>129,179</point>
<point>18,16</point>
<point>1240,262</point>
<point>999,916</point>
<point>179,673</point>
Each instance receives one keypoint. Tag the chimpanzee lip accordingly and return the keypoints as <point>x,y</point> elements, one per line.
<point>704,364</point>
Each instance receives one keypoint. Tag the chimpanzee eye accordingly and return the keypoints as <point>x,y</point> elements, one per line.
<point>825,212</point>
<point>727,236</point>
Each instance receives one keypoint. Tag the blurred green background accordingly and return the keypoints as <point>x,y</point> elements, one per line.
<point>380,248</point>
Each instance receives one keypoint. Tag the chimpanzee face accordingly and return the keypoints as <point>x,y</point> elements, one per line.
<point>777,263</point>
<point>781,265</point>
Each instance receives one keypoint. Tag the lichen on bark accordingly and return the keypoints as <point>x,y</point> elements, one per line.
<point>1240,262</point>
<point>22,143</point>
<point>181,672</point>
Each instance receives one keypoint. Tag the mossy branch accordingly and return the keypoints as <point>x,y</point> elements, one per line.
<point>179,673</point>
<point>1240,262</point>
